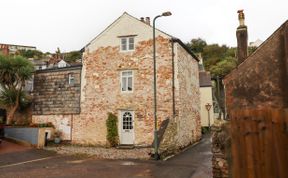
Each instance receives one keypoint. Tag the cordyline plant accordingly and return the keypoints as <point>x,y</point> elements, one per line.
<point>14,71</point>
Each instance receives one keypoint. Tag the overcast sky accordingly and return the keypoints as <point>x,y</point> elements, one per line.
<point>71,24</point>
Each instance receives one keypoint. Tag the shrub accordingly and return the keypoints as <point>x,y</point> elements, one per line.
<point>205,130</point>
<point>112,130</point>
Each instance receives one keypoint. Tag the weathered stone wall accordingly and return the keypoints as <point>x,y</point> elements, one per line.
<point>221,150</point>
<point>102,92</point>
<point>261,80</point>
<point>187,98</point>
<point>185,127</point>
<point>53,94</point>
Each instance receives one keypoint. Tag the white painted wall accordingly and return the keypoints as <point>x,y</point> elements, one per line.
<point>123,26</point>
<point>61,64</point>
<point>206,97</point>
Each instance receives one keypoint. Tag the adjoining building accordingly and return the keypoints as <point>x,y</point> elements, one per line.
<point>206,99</point>
<point>206,96</point>
<point>56,92</point>
<point>12,48</point>
<point>257,103</point>
<point>256,43</point>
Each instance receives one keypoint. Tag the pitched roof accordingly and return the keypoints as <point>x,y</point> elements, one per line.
<point>284,25</point>
<point>205,79</point>
<point>186,48</point>
<point>174,39</point>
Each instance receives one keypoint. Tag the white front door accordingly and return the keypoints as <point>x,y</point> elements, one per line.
<point>127,128</point>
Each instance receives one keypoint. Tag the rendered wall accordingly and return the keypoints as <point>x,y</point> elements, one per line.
<point>206,97</point>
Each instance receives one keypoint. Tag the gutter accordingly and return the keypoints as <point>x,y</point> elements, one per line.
<point>173,79</point>
<point>177,40</point>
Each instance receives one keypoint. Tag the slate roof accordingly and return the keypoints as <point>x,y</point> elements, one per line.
<point>205,79</point>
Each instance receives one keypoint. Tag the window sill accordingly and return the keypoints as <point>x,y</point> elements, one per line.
<point>127,51</point>
<point>126,92</point>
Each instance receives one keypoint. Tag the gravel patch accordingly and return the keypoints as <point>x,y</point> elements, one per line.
<point>102,153</point>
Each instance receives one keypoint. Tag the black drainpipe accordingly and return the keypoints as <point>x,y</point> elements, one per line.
<point>173,79</point>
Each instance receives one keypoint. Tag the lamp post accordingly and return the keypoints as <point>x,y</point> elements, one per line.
<point>156,154</point>
<point>208,107</point>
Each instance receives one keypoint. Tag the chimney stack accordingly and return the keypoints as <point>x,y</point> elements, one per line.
<point>142,19</point>
<point>242,38</point>
<point>147,20</point>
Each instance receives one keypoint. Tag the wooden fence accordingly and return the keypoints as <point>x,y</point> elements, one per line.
<point>259,143</point>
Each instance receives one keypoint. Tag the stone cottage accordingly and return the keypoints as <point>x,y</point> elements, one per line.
<point>117,77</point>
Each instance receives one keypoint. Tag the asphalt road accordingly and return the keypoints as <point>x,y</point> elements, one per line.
<point>195,162</point>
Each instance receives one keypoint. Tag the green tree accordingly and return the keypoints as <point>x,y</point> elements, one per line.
<point>14,71</point>
<point>112,130</point>
<point>197,45</point>
<point>73,56</point>
<point>219,60</point>
<point>35,54</point>
<point>223,67</point>
<point>213,53</point>
<point>58,54</point>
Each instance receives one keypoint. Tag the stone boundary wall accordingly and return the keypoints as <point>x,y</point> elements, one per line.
<point>221,151</point>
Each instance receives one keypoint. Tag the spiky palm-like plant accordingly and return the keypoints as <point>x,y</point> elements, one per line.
<point>14,71</point>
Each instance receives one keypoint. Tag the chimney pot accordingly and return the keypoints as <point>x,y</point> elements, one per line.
<point>242,38</point>
<point>148,20</point>
<point>241,17</point>
<point>142,19</point>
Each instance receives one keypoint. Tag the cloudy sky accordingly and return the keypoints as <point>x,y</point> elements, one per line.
<point>71,24</point>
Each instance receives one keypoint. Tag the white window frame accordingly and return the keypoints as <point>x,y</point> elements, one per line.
<point>127,44</point>
<point>71,76</point>
<point>121,84</point>
<point>132,121</point>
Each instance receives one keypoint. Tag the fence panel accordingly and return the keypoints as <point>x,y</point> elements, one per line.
<point>259,143</point>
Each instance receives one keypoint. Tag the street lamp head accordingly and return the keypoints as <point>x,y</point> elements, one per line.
<point>168,13</point>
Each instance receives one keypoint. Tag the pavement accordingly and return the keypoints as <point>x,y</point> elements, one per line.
<point>10,147</point>
<point>194,162</point>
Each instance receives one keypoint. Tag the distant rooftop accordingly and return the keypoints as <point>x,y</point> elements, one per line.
<point>256,43</point>
<point>18,45</point>
<point>205,79</point>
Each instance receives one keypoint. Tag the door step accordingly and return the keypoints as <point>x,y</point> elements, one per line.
<point>125,147</point>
